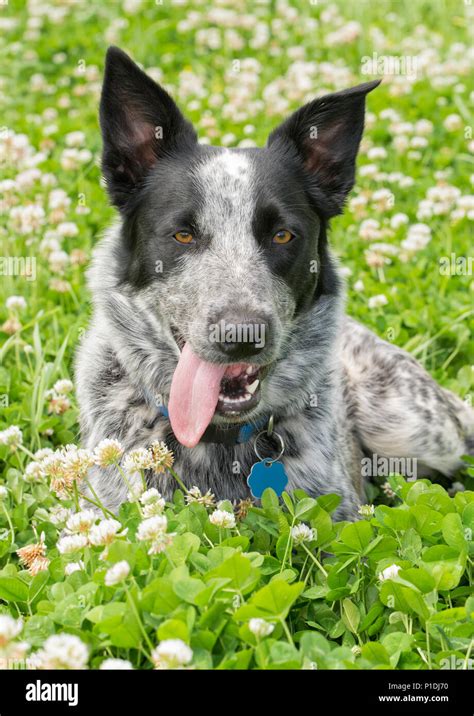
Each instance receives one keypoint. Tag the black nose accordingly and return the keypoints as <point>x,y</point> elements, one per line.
<point>240,336</point>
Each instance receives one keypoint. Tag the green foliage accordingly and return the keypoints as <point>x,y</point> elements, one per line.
<point>355,596</point>
<point>324,601</point>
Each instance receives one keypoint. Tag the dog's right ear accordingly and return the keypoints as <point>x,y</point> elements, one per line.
<point>139,122</point>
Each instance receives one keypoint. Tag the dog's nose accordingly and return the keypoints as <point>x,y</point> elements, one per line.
<point>240,336</point>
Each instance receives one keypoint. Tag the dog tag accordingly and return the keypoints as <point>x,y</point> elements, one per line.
<point>267,473</point>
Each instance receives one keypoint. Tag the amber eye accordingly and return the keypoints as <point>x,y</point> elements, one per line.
<point>184,237</point>
<point>282,237</point>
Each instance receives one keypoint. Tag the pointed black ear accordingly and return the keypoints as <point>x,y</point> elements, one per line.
<point>139,122</point>
<point>326,134</point>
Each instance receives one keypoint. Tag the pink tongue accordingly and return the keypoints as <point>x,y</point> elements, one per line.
<point>193,396</point>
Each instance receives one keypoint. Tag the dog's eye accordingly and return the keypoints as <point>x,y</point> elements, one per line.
<point>282,237</point>
<point>183,237</point>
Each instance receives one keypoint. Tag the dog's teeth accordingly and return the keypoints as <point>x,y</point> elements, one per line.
<point>249,370</point>
<point>253,386</point>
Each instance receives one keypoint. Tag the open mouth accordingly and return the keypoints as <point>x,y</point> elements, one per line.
<point>239,389</point>
<point>201,389</point>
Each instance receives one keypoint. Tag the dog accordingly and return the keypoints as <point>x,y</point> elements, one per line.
<point>219,323</point>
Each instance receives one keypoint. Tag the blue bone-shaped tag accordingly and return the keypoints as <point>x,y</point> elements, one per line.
<point>267,474</point>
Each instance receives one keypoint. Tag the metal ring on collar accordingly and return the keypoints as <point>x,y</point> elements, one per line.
<point>267,459</point>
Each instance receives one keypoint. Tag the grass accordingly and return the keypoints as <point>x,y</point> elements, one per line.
<point>210,60</point>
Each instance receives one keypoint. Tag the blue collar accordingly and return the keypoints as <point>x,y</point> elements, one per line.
<point>232,435</point>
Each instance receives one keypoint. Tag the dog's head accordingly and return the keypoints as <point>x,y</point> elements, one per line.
<point>227,247</point>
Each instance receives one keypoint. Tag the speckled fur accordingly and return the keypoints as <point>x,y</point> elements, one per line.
<point>337,392</point>
<point>371,397</point>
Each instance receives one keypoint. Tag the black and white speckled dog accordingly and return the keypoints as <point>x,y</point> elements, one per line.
<point>212,238</point>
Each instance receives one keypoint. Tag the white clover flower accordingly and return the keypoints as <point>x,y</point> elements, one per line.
<point>453,122</point>
<point>67,228</point>
<point>48,244</point>
<point>43,453</point>
<point>76,461</point>
<point>161,542</point>
<point>359,286</point>
<point>58,514</point>
<point>161,458</point>
<point>466,202</point>
<point>150,496</point>
<point>368,170</point>
<point>27,219</point>
<point>33,471</point>
<point>40,564</point>
<point>369,230</point>
<point>419,235</point>
<point>14,653</point>
<point>58,199</point>
<point>154,508</point>
<point>105,532</point>
<point>81,522</point>
<point>63,386</point>
<point>377,301</point>
<point>357,204</point>
<point>195,495</point>
<point>71,159</point>
<point>375,153</point>
<point>383,198</point>
<point>366,510</point>
<point>136,487</point>
<point>15,303</point>
<point>7,185</point>
<point>389,572</point>
<point>136,460</point>
<point>222,518</point>
<point>58,404</point>
<point>398,220</point>
<point>424,126</point>
<point>34,554</point>
<point>152,528</point>
<point>10,628</point>
<point>260,627</point>
<point>302,533</point>
<point>62,651</point>
<point>115,665</point>
<point>12,325</point>
<point>3,492</point>
<point>58,260</point>
<point>108,452</point>
<point>171,654</point>
<point>12,436</point>
<point>153,503</point>
<point>117,573</point>
<point>60,286</point>
<point>52,466</point>
<point>71,544</point>
<point>75,139</point>
<point>73,567</point>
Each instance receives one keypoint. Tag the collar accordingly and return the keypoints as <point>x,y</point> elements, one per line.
<point>232,435</point>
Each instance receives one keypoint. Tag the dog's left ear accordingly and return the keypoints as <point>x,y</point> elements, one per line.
<point>326,134</point>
